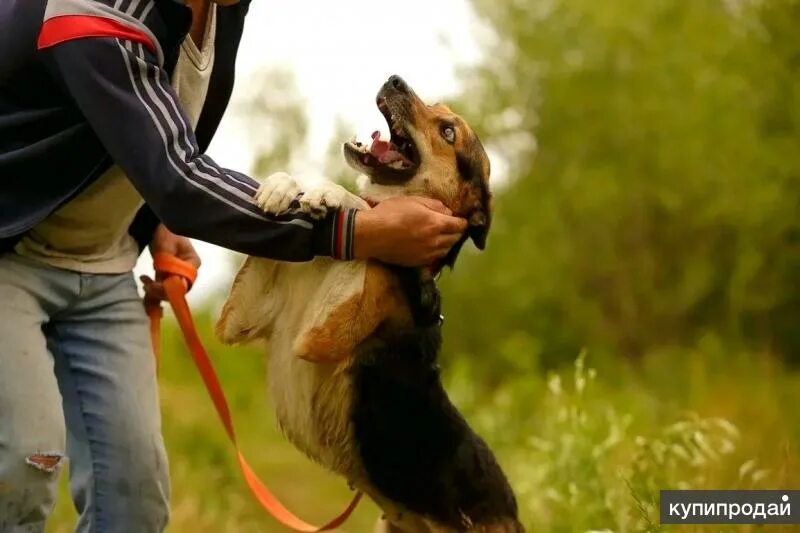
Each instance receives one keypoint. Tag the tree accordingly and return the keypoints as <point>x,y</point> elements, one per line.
<point>654,176</point>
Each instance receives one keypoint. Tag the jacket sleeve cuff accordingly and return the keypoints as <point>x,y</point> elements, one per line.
<point>334,236</point>
<point>144,227</point>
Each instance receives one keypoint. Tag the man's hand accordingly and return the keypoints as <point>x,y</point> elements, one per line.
<point>407,231</point>
<point>166,242</point>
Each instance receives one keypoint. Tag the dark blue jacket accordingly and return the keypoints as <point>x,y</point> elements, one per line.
<point>85,84</point>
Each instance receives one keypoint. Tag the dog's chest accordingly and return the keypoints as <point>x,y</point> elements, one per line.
<point>312,400</point>
<point>313,407</point>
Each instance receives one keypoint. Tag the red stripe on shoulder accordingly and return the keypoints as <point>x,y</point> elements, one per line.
<point>65,28</point>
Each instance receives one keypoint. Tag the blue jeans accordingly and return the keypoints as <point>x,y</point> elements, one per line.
<point>78,382</point>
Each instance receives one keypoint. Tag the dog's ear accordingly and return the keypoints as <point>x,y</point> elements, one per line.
<point>249,312</point>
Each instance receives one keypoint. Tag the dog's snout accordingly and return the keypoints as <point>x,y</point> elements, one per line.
<point>398,83</point>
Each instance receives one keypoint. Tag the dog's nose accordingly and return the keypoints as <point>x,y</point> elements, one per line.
<point>398,83</point>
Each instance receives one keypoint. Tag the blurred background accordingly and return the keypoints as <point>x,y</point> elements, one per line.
<point>634,323</point>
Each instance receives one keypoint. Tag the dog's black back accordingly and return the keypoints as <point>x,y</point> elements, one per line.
<point>415,446</point>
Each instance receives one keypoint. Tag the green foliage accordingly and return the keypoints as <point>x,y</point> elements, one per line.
<point>590,450</point>
<point>275,119</point>
<point>336,169</point>
<point>653,177</point>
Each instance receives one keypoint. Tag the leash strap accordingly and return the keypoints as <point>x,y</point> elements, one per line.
<point>178,278</point>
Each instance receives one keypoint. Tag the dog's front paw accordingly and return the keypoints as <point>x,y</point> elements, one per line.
<point>323,197</point>
<point>276,193</point>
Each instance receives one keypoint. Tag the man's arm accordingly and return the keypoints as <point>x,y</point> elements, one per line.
<point>125,95</point>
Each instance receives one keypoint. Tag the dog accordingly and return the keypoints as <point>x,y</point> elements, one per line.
<point>353,346</point>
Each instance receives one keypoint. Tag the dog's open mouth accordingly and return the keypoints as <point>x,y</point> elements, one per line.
<point>386,161</point>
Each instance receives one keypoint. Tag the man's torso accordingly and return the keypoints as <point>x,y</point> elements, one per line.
<point>49,154</point>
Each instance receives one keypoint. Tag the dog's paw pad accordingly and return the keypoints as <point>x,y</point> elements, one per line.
<point>277,193</point>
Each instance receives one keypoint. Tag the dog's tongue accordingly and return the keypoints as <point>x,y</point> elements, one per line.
<point>384,151</point>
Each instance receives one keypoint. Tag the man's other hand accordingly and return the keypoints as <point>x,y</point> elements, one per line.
<point>166,242</point>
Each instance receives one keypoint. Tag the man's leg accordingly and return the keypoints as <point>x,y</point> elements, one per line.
<point>106,372</point>
<point>31,420</point>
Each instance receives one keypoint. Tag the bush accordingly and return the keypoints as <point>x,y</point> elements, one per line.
<point>653,178</point>
<point>590,452</point>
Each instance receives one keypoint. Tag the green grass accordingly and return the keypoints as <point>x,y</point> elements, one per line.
<point>587,448</point>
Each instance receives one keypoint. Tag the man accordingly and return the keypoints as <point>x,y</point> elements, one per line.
<point>106,108</point>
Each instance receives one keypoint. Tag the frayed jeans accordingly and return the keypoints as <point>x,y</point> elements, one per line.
<point>78,383</point>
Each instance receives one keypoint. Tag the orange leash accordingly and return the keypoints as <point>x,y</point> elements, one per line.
<point>179,277</point>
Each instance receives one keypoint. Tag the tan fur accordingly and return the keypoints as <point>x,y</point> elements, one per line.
<point>283,303</point>
<point>314,314</point>
<point>236,324</point>
<point>356,318</point>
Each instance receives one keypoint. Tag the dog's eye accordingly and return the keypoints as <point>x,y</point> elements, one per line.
<point>449,133</point>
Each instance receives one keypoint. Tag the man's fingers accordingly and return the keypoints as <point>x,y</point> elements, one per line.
<point>453,225</point>
<point>447,241</point>
<point>186,252</point>
<point>433,205</point>
<point>444,244</point>
<point>449,223</point>
<point>441,253</point>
